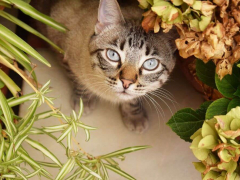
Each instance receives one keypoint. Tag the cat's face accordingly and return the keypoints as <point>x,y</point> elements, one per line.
<point>130,62</point>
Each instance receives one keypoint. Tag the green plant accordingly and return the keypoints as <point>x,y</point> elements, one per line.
<point>15,129</point>
<point>214,128</point>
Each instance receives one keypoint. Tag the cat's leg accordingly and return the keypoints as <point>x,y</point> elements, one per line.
<point>134,116</point>
<point>89,99</point>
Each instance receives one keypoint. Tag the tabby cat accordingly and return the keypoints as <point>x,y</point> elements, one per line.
<point>109,55</point>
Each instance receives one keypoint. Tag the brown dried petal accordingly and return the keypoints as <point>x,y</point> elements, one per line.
<point>237,39</point>
<point>219,30</point>
<point>223,68</point>
<point>207,51</point>
<point>236,55</point>
<point>235,2</point>
<point>149,19</point>
<point>183,43</point>
<point>166,27</point>
<point>207,8</point>
<point>157,24</point>
<point>233,30</point>
<point>181,30</point>
<point>220,51</point>
<point>193,48</point>
<point>219,2</point>
<point>187,47</point>
<point>236,15</point>
<point>209,29</point>
<point>213,40</point>
<point>223,9</point>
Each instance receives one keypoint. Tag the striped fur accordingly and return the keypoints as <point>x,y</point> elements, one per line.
<point>93,75</point>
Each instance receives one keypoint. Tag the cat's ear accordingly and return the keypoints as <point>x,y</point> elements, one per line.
<point>109,13</point>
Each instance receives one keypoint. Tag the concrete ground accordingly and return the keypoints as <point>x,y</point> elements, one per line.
<point>169,158</point>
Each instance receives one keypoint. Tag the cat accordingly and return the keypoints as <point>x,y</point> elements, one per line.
<point>109,55</point>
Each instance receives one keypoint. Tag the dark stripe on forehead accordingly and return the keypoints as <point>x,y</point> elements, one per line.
<point>130,42</point>
<point>147,51</point>
<point>141,44</point>
<point>155,52</point>
<point>114,42</point>
<point>95,51</point>
<point>122,44</point>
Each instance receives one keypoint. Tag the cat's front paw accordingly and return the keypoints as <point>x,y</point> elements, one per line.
<point>89,104</point>
<point>136,124</point>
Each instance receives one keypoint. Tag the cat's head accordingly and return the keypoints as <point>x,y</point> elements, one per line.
<point>129,61</point>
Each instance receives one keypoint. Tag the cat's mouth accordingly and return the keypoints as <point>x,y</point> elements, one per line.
<point>125,95</point>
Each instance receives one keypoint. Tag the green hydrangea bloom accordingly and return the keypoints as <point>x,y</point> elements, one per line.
<point>217,146</point>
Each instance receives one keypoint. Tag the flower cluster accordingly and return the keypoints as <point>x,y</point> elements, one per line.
<point>209,30</point>
<point>217,146</point>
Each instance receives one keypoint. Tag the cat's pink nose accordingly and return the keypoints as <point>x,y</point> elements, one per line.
<point>126,83</point>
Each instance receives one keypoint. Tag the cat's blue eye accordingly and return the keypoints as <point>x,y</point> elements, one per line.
<point>150,64</point>
<point>113,55</point>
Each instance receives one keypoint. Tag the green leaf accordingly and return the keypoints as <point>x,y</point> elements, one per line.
<point>66,168</point>
<point>29,29</point>
<point>16,171</point>
<point>19,141</point>
<point>29,115</point>
<point>233,103</point>
<point>44,150</point>
<point>8,120</point>
<point>17,101</point>
<point>124,151</point>
<point>2,148</point>
<point>33,173</point>
<point>20,57</point>
<point>186,122</point>
<point>40,131</point>
<point>51,165</point>
<point>11,85</point>
<point>1,84</point>
<point>65,133</point>
<point>218,107</point>
<point>229,84</point>
<point>120,172</point>
<point>11,161</point>
<point>237,93</point>
<point>104,170</point>
<point>87,134</point>
<point>13,39</point>
<point>85,126</point>
<point>77,172</point>
<point>15,51</point>
<point>28,159</point>
<point>206,72</point>
<point>29,10</point>
<point>5,4</point>
<point>89,171</point>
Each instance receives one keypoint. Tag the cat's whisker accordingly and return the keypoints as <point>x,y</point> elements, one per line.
<point>159,97</point>
<point>163,116</point>
<point>166,104</point>
<point>156,106</point>
<point>165,96</point>
<point>166,91</point>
